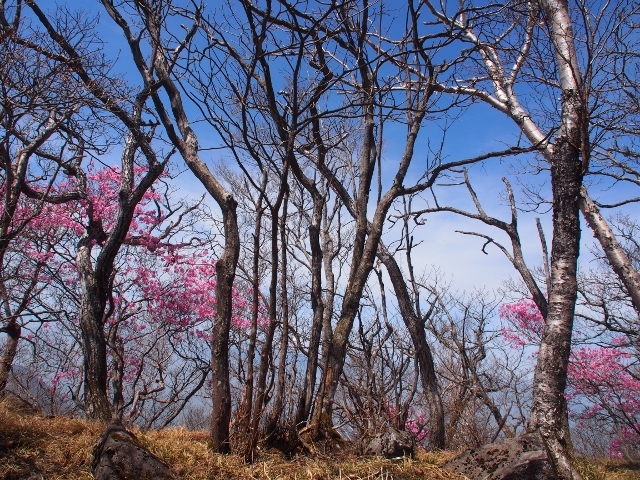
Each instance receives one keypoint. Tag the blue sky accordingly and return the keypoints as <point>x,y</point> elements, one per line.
<point>478,130</point>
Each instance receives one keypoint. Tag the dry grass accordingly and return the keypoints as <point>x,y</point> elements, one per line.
<point>35,446</point>
<point>608,470</point>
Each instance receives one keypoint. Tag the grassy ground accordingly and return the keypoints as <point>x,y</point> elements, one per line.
<point>35,446</point>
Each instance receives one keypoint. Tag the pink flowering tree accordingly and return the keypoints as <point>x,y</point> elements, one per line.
<point>525,323</point>
<point>25,250</point>
<point>159,334</point>
<point>42,124</point>
<point>604,385</point>
<point>30,228</point>
<point>74,228</point>
<point>115,210</point>
<point>167,295</point>
<point>603,381</point>
<point>162,301</point>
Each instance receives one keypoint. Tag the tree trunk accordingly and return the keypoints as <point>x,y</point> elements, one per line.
<point>423,354</point>
<point>549,412</point>
<point>329,302</point>
<point>94,345</point>
<point>246,402</point>
<point>278,400</point>
<point>266,353</point>
<point>317,306</point>
<point>186,141</point>
<point>117,375</point>
<point>322,417</point>
<point>615,254</point>
<point>225,274</point>
<point>549,409</point>
<point>12,328</point>
<point>13,331</point>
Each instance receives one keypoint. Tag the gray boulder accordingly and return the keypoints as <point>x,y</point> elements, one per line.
<point>392,443</point>
<point>522,458</point>
<point>118,455</point>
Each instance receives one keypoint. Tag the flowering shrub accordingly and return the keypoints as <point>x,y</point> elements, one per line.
<point>601,380</point>
<point>416,423</point>
<point>159,289</point>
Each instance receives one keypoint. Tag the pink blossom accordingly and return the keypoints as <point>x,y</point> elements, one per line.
<point>599,378</point>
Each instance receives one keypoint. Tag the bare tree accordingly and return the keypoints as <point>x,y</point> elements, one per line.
<point>47,128</point>
<point>568,158</point>
<point>380,383</point>
<point>294,111</point>
<point>462,326</point>
<point>618,259</point>
<point>159,71</point>
<point>96,277</point>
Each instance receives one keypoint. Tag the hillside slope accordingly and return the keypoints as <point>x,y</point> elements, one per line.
<point>36,446</point>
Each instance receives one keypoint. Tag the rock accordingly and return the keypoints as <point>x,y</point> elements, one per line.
<point>118,455</point>
<point>522,458</point>
<point>390,444</point>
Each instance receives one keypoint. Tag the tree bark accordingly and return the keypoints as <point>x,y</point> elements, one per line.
<point>549,405</point>
<point>14,176</point>
<point>13,331</point>
<point>278,400</point>
<point>94,345</point>
<point>225,274</point>
<point>266,353</point>
<point>549,409</point>
<point>246,402</point>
